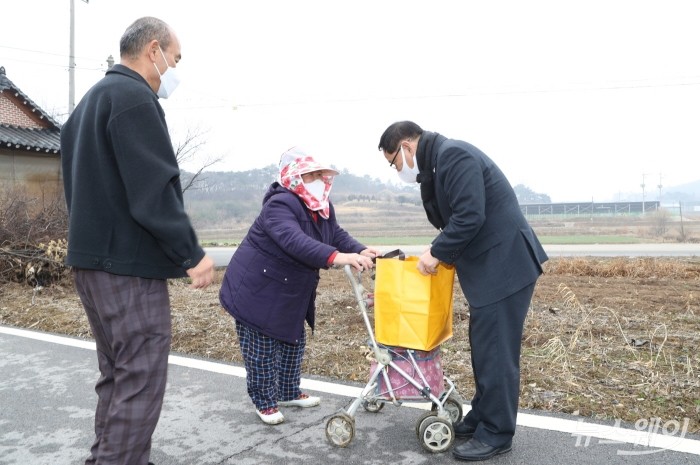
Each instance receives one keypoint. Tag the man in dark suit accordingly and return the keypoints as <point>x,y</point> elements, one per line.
<point>498,258</point>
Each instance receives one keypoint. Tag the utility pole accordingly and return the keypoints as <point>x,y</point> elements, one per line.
<point>660,186</point>
<point>643,185</point>
<point>680,212</point>
<point>71,59</point>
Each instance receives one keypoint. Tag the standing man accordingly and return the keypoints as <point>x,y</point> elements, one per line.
<point>498,260</point>
<point>127,234</point>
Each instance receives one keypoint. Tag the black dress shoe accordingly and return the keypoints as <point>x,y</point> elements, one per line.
<point>463,431</point>
<point>474,450</point>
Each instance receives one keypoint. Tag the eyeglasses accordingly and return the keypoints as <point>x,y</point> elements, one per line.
<point>391,163</point>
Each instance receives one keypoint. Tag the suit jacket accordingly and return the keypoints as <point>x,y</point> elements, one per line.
<point>487,238</point>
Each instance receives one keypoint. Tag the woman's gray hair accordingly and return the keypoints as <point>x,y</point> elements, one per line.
<point>140,33</point>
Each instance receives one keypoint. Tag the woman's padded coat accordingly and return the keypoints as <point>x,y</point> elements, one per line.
<point>270,283</point>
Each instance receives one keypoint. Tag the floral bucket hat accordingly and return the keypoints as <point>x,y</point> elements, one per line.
<point>295,162</point>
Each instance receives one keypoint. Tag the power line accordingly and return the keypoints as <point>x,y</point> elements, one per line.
<point>636,84</point>
<point>61,55</point>
<point>53,65</point>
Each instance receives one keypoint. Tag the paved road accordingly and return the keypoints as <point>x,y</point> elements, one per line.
<point>47,403</point>
<point>222,255</point>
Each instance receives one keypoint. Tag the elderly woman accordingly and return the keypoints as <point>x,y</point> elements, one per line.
<point>270,284</point>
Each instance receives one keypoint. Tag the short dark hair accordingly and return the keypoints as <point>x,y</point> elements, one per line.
<point>397,132</point>
<point>140,33</point>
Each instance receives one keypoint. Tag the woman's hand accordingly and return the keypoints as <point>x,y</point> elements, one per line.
<point>356,260</point>
<point>371,252</point>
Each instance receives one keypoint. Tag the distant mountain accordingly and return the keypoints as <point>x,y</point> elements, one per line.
<point>684,192</point>
<point>228,199</point>
<point>252,184</point>
<point>688,192</point>
<point>249,184</point>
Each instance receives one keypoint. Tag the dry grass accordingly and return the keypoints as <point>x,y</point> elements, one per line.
<point>605,338</point>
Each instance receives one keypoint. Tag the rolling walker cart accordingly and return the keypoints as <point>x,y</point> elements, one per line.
<point>399,375</point>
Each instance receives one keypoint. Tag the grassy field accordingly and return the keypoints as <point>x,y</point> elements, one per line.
<point>383,223</point>
<point>573,239</point>
<point>589,239</point>
<point>425,239</point>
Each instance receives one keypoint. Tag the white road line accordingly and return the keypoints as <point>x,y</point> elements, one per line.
<point>66,341</point>
<point>583,431</point>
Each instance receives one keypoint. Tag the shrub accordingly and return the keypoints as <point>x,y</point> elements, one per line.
<point>32,237</point>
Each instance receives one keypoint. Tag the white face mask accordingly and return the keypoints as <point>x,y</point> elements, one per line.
<point>408,174</point>
<point>168,80</point>
<point>316,188</point>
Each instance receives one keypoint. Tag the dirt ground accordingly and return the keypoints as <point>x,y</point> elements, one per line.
<point>605,338</point>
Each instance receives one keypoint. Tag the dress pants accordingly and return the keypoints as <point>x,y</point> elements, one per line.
<point>130,321</point>
<point>495,337</point>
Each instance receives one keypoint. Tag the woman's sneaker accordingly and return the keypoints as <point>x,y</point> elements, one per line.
<point>304,400</point>
<point>271,416</point>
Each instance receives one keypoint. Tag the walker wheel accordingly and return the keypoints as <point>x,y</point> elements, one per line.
<point>421,419</point>
<point>453,405</point>
<point>436,434</point>
<point>340,429</point>
<point>372,406</point>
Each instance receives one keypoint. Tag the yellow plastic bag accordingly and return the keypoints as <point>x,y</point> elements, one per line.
<point>412,310</point>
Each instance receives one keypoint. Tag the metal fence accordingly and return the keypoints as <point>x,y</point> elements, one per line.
<point>590,208</point>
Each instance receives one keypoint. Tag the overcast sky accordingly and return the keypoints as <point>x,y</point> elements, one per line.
<point>579,100</point>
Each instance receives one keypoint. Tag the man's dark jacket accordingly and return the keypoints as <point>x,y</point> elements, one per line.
<point>487,238</point>
<point>122,184</point>
<point>270,283</point>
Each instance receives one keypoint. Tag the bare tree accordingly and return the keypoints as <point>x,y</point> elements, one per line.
<point>187,151</point>
<point>661,219</point>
